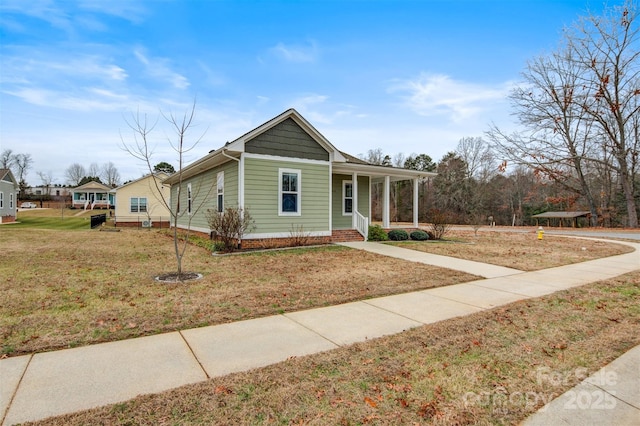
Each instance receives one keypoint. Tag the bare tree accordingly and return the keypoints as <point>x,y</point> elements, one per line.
<point>478,155</point>
<point>110,174</point>
<point>559,139</point>
<point>46,180</point>
<point>606,49</point>
<point>7,159</point>
<point>373,156</point>
<point>23,163</point>
<point>140,149</point>
<point>94,170</point>
<point>75,173</point>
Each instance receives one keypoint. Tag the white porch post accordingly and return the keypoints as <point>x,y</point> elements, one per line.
<point>354,202</point>
<point>385,202</point>
<point>415,203</point>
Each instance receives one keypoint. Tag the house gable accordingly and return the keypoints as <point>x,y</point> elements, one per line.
<point>287,139</point>
<point>7,177</point>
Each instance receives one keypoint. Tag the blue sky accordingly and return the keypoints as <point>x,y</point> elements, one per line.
<point>402,76</point>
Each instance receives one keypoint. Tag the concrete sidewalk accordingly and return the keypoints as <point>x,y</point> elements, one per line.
<point>37,386</point>
<point>610,396</point>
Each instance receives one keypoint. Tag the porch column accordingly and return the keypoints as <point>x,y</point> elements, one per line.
<point>354,199</point>
<point>385,202</point>
<point>415,203</point>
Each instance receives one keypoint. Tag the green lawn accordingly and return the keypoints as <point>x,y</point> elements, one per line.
<point>67,219</point>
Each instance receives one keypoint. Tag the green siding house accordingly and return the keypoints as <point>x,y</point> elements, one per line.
<point>291,180</point>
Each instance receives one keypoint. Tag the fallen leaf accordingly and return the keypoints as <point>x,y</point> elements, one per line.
<point>370,401</point>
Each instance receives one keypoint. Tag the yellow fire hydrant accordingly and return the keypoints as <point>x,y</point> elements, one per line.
<point>540,232</point>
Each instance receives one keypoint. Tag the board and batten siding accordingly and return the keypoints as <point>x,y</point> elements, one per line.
<point>261,196</point>
<point>340,221</point>
<point>204,195</point>
<point>287,139</point>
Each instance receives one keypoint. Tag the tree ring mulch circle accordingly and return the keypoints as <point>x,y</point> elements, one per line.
<point>175,278</point>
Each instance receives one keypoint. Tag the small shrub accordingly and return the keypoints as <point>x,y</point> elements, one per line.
<point>298,237</point>
<point>218,246</point>
<point>419,235</point>
<point>376,233</point>
<point>440,223</point>
<point>229,226</point>
<point>398,235</point>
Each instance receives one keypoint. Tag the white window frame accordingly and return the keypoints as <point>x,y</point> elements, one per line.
<point>11,200</point>
<point>298,192</point>
<point>138,205</point>
<point>189,199</point>
<point>220,192</point>
<point>1,200</point>
<point>344,198</point>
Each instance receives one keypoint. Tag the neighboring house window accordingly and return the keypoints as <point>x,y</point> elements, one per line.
<point>289,192</point>
<point>1,200</point>
<point>347,197</point>
<point>11,200</point>
<point>138,205</point>
<point>220,191</point>
<point>189,200</point>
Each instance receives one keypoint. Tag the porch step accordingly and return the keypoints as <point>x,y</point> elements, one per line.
<point>345,236</point>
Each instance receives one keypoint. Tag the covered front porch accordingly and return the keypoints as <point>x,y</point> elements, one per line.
<point>352,194</point>
<point>92,195</point>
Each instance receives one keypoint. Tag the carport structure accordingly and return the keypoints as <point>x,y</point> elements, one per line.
<point>571,217</point>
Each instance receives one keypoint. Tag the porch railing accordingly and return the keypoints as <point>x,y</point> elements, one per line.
<point>362,225</point>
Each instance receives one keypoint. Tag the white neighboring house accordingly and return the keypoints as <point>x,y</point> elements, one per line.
<point>140,204</point>
<point>8,196</point>
<point>52,190</point>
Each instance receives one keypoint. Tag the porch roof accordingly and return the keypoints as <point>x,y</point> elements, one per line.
<point>394,173</point>
<point>562,215</point>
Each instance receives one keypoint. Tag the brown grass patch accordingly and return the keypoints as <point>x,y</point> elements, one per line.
<point>521,251</point>
<point>65,289</point>
<point>493,367</point>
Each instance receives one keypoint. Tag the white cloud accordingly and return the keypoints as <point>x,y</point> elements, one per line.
<point>296,53</point>
<point>438,95</point>
<point>159,69</point>
<point>67,16</point>
<point>91,99</point>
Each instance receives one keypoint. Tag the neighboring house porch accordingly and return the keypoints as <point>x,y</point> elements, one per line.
<point>92,195</point>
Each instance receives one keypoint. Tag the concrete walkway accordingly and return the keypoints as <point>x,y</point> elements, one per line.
<point>37,386</point>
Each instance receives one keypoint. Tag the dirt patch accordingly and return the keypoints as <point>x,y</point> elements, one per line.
<point>175,278</point>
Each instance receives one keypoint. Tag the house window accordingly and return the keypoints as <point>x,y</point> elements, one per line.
<point>220,187</point>
<point>189,199</point>
<point>11,200</point>
<point>1,200</point>
<point>347,197</point>
<point>138,205</point>
<point>289,193</point>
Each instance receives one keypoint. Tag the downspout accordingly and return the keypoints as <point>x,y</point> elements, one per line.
<point>240,180</point>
